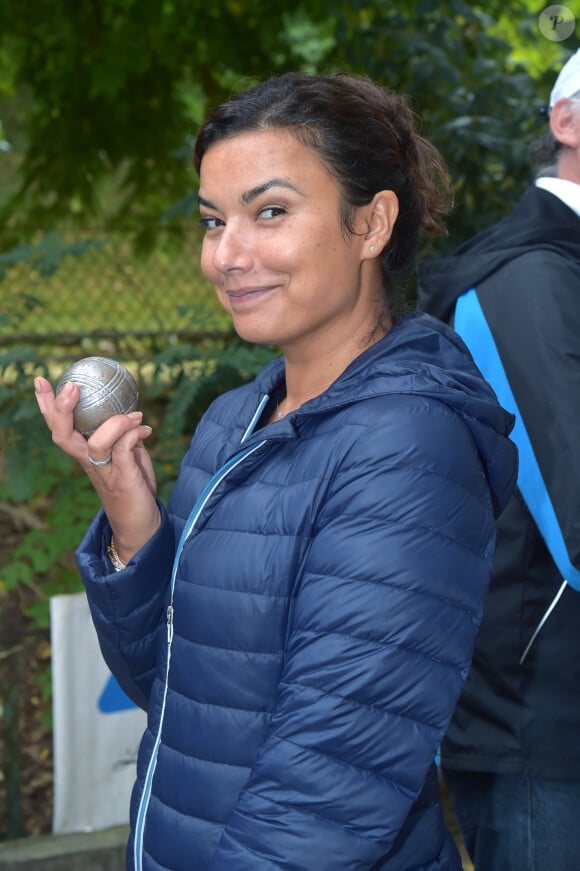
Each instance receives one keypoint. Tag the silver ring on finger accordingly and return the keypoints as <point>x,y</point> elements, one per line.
<point>104,462</point>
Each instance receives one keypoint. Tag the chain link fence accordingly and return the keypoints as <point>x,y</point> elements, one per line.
<point>91,291</point>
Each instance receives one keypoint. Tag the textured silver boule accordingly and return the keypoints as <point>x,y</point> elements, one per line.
<point>106,388</point>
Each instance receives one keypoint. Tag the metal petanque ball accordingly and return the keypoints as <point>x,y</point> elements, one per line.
<point>106,388</point>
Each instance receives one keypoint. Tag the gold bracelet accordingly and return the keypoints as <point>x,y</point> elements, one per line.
<point>116,560</point>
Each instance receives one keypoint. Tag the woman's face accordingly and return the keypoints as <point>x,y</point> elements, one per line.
<point>274,247</point>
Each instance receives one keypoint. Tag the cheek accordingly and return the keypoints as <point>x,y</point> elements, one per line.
<point>206,262</point>
<point>212,274</point>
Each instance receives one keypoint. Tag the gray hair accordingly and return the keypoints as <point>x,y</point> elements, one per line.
<point>545,152</point>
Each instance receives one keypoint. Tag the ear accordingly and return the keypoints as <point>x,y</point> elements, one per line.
<point>565,123</point>
<point>381,214</point>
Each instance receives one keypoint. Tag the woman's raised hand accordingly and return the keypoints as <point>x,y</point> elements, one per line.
<point>115,459</point>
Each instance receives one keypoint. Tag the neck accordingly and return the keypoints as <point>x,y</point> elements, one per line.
<point>309,375</point>
<point>569,165</point>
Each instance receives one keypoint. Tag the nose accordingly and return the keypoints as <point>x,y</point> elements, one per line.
<point>233,249</point>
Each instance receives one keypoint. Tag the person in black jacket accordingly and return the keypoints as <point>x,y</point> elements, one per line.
<point>511,757</point>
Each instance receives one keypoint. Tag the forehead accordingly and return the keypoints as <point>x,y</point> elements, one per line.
<point>250,158</point>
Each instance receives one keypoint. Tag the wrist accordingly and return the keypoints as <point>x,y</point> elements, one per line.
<point>125,543</point>
<point>116,561</point>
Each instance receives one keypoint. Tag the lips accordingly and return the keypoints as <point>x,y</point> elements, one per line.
<point>247,294</point>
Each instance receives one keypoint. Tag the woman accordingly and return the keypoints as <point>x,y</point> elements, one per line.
<point>299,622</point>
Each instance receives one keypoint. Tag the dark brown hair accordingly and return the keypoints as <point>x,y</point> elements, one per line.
<point>365,135</point>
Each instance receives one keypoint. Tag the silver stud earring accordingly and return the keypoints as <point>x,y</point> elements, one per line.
<point>372,249</point>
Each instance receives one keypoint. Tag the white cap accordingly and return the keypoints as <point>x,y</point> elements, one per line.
<point>568,82</point>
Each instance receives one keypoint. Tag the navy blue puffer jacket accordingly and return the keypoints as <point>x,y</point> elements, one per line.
<point>302,660</point>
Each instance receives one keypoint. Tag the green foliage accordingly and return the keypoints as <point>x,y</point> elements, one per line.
<point>477,100</point>
<point>7,69</point>
<point>119,88</point>
<point>539,56</point>
<point>43,481</point>
<point>4,144</point>
<point>45,256</point>
<point>42,257</point>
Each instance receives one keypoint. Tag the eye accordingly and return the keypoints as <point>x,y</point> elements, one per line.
<point>269,212</point>
<point>209,223</point>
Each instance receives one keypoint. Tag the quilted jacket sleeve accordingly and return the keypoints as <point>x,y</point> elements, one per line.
<point>381,640</point>
<point>128,607</point>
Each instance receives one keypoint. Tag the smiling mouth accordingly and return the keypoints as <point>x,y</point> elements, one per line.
<point>247,294</point>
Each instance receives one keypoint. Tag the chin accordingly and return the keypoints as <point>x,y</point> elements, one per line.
<point>256,334</point>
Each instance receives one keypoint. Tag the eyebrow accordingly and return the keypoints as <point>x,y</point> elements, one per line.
<point>253,193</point>
<point>257,191</point>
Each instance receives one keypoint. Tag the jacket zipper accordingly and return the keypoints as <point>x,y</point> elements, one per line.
<point>208,490</point>
<point>169,624</point>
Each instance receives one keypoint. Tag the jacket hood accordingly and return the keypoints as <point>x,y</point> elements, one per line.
<point>422,356</point>
<point>540,221</point>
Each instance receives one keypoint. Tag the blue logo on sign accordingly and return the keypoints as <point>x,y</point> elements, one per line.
<point>114,699</point>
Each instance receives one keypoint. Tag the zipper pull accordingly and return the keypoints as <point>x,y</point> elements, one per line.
<point>169,624</point>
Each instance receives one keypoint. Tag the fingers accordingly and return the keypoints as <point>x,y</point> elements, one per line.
<point>45,399</point>
<point>116,439</point>
<point>43,392</point>
<point>143,461</point>
<point>118,436</point>
<point>114,458</point>
<point>58,415</point>
<point>117,462</point>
